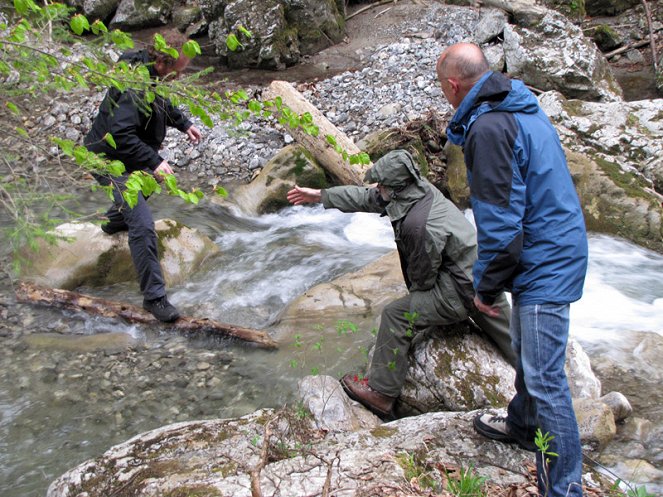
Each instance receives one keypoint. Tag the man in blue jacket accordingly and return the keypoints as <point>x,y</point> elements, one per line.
<point>138,129</point>
<point>532,242</point>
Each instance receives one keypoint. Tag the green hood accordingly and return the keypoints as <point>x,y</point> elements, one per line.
<point>398,170</point>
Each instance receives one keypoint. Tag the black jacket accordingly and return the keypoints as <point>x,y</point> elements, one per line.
<point>137,128</point>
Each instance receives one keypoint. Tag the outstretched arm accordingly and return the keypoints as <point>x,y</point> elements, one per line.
<point>302,195</point>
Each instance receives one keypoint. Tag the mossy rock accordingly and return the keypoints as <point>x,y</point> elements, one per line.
<point>615,202</point>
<point>292,165</point>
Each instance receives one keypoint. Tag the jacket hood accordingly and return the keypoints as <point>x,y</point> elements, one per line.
<point>494,92</point>
<point>398,170</point>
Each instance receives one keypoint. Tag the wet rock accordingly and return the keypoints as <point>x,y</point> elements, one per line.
<point>363,293</point>
<point>85,255</point>
<point>267,192</point>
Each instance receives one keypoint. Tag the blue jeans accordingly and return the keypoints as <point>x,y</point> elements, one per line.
<point>538,335</point>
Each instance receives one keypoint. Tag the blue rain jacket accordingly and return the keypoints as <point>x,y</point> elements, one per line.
<point>531,231</point>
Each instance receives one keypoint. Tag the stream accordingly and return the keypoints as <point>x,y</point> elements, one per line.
<point>71,386</point>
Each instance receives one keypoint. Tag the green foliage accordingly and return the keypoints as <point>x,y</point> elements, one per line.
<point>416,470</point>
<point>542,442</point>
<point>468,484</point>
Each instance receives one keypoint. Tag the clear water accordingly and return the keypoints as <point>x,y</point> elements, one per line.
<point>264,264</point>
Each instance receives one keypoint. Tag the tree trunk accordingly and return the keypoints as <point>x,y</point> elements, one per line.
<point>318,146</point>
<point>29,292</point>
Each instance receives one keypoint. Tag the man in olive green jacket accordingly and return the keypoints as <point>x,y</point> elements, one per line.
<point>437,247</point>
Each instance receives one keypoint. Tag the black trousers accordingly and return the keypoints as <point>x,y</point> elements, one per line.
<point>139,224</point>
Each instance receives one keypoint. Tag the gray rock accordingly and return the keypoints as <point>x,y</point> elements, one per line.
<point>137,14</point>
<point>456,370</point>
<point>583,383</point>
<point>331,408</point>
<point>619,404</point>
<point>219,456</point>
<point>595,423</point>
<point>557,56</point>
<point>99,9</point>
<point>491,24</point>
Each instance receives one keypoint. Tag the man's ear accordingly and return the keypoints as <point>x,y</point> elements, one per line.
<point>454,83</point>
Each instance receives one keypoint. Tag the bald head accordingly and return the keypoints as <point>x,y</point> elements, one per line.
<point>458,68</point>
<point>464,61</point>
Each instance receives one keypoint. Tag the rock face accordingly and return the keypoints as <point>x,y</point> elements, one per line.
<point>87,256</point>
<point>558,57</point>
<point>281,32</point>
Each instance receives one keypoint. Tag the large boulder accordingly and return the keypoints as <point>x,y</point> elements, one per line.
<point>138,14</point>
<point>99,9</point>
<point>84,255</point>
<point>285,454</point>
<point>281,32</point>
<point>557,56</point>
<point>267,192</point>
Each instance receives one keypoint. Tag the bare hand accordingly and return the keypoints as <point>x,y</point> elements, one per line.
<point>490,310</point>
<point>162,170</point>
<point>194,135</point>
<point>301,195</point>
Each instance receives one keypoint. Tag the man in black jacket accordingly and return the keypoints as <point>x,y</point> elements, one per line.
<point>138,129</point>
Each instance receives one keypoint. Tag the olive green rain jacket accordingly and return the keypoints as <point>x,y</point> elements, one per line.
<point>436,243</point>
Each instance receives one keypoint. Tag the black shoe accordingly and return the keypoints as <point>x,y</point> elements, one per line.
<point>161,309</point>
<point>495,427</point>
<point>111,228</point>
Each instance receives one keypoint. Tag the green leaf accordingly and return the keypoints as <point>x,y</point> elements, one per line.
<point>12,107</point>
<point>191,49</point>
<point>22,132</point>
<point>79,24</point>
<point>331,140</point>
<point>245,31</point>
<point>108,138</point>
<point>171,183</point>
<point>233,43</point>
<point>159,42</point>
<point>81,154</point>
<point>171,52</point>
<point>221,191</point>
<point>98,27</point>
<point>130,197</point>
<point>115,168</point>
<point>121,39</point>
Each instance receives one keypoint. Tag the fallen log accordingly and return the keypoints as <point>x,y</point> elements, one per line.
<point>64,299</point>
<point>327,157</point>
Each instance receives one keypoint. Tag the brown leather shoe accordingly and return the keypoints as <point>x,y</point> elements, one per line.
<point>376,402</point>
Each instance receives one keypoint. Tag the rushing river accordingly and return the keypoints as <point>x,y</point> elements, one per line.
<point>64,397</point>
